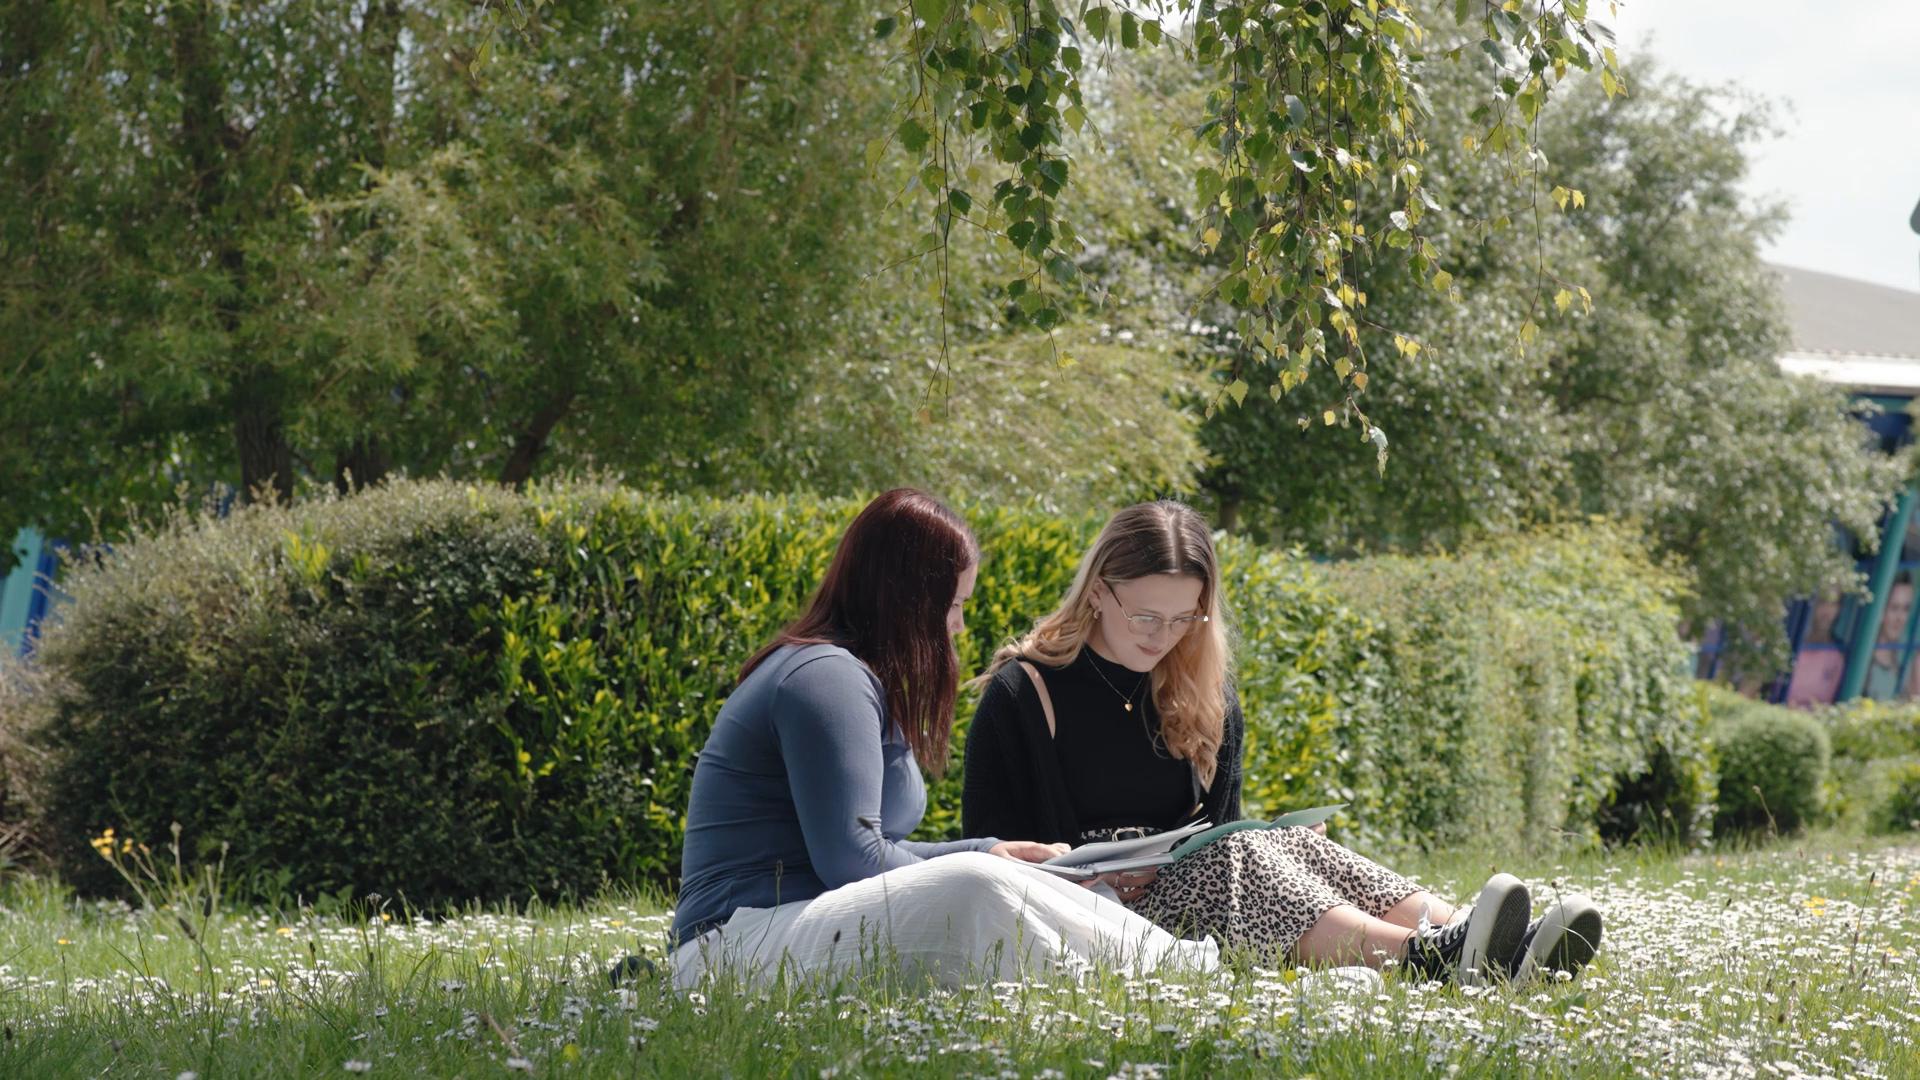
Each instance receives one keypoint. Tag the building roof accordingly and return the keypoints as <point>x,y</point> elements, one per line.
<point>1855,333</point>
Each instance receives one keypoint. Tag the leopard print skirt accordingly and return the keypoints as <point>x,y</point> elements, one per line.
<point>1260,889</point>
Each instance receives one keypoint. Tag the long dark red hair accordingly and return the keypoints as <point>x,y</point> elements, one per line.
<point>885,600</point>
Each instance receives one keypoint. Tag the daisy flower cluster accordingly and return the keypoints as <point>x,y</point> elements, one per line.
<point>1779,963</point>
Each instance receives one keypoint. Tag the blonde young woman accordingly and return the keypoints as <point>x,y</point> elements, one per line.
<point>1116,716</point>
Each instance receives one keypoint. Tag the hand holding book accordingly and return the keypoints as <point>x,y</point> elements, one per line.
<point>1091,861</point>
<point>1126,885</point>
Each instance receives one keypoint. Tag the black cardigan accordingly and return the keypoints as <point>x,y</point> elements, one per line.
<point>1013,787</point>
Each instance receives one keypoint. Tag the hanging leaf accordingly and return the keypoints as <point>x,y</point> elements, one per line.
<point>1095,21</point>
<point>912,136</point>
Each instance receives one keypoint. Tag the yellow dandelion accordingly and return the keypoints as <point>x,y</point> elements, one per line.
<point>617,922</point>
<point>62,941</point>
<point>285,931</point>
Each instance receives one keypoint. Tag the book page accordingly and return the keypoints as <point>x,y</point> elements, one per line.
<point>1117,856</point>
<point>1122,849</point>
<point>1144,861</point>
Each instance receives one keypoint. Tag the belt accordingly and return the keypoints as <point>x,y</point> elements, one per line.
<point>1124,832</point>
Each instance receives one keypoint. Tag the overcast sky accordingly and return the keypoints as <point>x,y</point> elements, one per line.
<point>1846,75</point>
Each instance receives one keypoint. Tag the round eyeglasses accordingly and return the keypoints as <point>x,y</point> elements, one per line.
<point>1149,626</point>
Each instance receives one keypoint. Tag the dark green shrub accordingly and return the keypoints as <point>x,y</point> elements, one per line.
<point>1871,740</point>
<point>22,691</point>
<point>1867,730</point>
<point>313,686</point>
<point>1897,810</point>
<point>455,693</point>
<point>1773,763</point>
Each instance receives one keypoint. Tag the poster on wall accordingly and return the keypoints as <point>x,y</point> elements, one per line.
<point>1883,674</point>
<point>1820,662</point>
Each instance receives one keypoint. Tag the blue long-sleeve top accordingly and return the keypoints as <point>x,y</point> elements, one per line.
<point>801,765</point>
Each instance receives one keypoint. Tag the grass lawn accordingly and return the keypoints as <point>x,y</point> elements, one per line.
<point>1797,959</point>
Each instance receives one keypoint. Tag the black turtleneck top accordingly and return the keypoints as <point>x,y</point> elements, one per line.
<point>1103,767</point>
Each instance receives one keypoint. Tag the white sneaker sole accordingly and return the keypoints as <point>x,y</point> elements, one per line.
<point>1568,937</point>
<point>1494,930</point>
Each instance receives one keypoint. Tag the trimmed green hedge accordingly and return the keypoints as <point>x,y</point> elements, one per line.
<point>1531,688</point>
<point>1773,764</point>
<point>1898,809</point>
<point>455,693</point>
<point>1869,730</point>
<point>1875,746</point>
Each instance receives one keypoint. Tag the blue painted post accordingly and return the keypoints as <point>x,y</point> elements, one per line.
<point>1866,630</point>
<point>17,591</point>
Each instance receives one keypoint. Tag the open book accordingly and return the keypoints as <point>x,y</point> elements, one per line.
<point>1113,856</point>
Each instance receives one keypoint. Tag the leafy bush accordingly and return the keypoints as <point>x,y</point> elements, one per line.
<point>21,690</point>
<point>1898,808</point>
<point>1773,764</point>
<point>453,693</point>
<point>1640,764</point>
<point>1867,730</point>
<point>1439,745</point>
<point>1871,740</point>
<point>1526,688</point>
<point>1304,668</point>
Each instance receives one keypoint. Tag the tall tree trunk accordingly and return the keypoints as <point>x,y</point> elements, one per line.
<point>259,434</point>
<point>365,461</point>
<point>29,32</point>
<point>28,154</point>
<point>361,464</point>
<point>380,44</point>
<point>1229,519</point>
<point>212,146</point>
<point>531,441</point>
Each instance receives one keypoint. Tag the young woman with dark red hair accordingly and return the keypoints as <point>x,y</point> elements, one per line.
<point>796,856</point>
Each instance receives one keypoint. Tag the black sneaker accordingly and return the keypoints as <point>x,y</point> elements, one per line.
<point>631,970</point>
<point>1563,939</point>
<point>1486,940</point>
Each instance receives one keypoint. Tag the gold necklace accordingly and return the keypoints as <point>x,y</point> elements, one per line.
<point>1093,661</point>
<point>1154,742</point>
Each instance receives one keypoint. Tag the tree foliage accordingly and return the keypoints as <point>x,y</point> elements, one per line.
<point>934,376</point>
<point>275,243</point>
<point>1313,109</point>
<point>1652,396</point>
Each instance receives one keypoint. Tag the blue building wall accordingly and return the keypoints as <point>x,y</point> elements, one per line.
<point>1847,647</point>
<point>27,592</point>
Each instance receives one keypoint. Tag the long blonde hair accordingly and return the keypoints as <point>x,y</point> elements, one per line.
<point>1190,684</point>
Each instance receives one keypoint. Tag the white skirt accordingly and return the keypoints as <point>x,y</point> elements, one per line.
<point>953,919</point>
